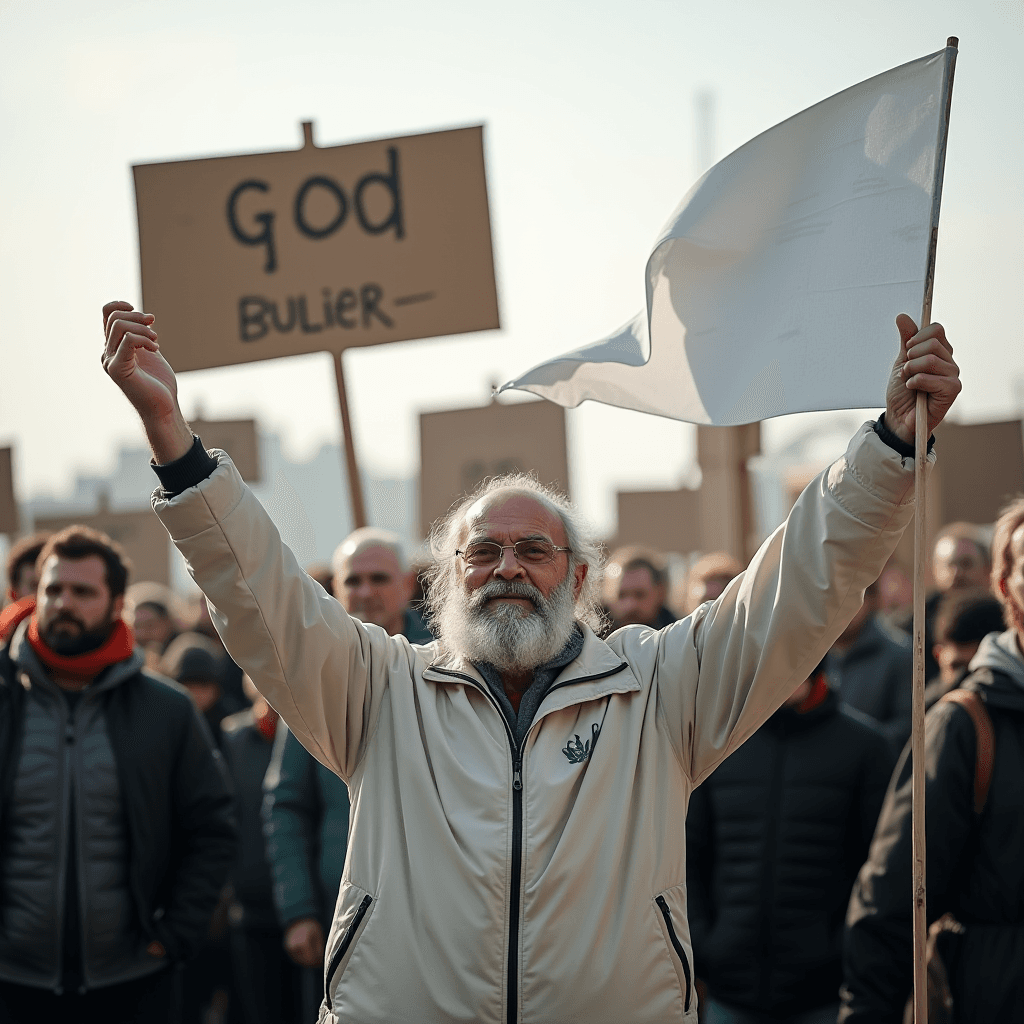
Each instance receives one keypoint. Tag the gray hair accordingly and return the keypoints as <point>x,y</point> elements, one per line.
<point>584,548</point>
<point>364,539</point>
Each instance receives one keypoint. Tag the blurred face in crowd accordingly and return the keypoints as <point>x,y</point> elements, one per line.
<point>372,586</point>
<point>205,693</point>
<point>151,627</point>
<point>1014,592</point>
<point>857,623</point>
<point>638,598</point>
<point>25,582</point>
<point>953,657</point>
<point>959,564</point>
<point>75,610</point>
<point>513,614</point>
<point>710,587</point>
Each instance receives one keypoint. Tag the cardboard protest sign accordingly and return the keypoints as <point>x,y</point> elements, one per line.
<point>460,448</point>
<point>237,438</point>
<point>8,506</point>
<point>141,534</point>
<point>318,249</point>
<point>668,521</point>
<point>979,469</point>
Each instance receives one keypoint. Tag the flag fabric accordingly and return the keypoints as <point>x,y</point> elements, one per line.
<point>774,286</point>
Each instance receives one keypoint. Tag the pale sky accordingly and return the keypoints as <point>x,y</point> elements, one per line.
<point>590,139</point>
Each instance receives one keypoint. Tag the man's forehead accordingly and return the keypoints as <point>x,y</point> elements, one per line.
<point>376,559</point>
<point>1017,543</point>
<point>956,547</point>
<point>517,515</point>
<point>90,569</point>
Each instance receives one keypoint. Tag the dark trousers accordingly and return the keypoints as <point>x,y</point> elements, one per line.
<point>154,999</point>
<point>268,985</point>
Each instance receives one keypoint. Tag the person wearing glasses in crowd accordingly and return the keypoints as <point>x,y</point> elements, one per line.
<point>518,786</point>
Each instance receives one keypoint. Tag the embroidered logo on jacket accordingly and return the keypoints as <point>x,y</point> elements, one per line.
<point>577,751</point>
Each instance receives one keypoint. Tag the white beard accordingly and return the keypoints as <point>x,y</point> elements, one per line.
<point>510,638</point>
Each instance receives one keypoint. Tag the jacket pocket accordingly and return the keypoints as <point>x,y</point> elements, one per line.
<point>665,913</point>
<point>344,947</point>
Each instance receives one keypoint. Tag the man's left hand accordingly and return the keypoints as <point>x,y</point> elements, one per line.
<point>925,363</point>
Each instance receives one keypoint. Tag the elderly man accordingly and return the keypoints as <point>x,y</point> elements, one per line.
<point>517,849</point>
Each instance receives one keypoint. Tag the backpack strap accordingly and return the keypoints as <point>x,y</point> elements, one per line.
<point>986,742</point>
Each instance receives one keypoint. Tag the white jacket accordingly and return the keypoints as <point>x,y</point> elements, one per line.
<point>487,884</point>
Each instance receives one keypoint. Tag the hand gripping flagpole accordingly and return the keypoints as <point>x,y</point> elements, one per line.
<point>920,458</point>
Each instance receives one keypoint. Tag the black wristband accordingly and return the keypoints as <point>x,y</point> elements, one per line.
<point>895,442</point>
<point>181,474</point>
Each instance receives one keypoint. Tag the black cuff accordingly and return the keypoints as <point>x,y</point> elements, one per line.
<point>181,474</point>
<point>895,442</point>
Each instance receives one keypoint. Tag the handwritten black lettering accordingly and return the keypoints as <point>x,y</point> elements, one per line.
<point>390,182</point>
<point>345,301</point>
<point>307,327</point>
<point>370,295</point>
<point>329,185</point>
<point>266,236</point>
<point>348,309</point>
<point>252,318</point>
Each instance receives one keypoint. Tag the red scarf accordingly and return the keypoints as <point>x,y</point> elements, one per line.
<point>819,691</point>
<point>13,614</point>
<point>117,647</point>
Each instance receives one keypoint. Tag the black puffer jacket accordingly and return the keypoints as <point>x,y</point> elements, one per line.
<point>175,795</point>
<point>975,864</point>
<point>774,840</point>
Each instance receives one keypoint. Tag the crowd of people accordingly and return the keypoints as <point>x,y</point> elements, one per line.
<point>525,782</point>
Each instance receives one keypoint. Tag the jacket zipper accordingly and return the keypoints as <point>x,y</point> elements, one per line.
<point>346,941</point>
<point>678,947</point>
<point>515,902</point>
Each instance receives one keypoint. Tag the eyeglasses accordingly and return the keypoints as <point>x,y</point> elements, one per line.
<point>527,552</point>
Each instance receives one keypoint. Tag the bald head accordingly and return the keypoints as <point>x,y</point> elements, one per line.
<point>371,579</point>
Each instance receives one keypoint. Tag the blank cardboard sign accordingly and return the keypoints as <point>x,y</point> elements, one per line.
<point>317,249</point>
<point>141,534</point>
<point>460,448</point>
<point>237,438</point>
<point>668,521</point>
<point>8,506</point>
<point>979,468</point>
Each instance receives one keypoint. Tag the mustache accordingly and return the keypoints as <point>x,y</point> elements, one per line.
<point>508,588</point>
<point>66,617</point>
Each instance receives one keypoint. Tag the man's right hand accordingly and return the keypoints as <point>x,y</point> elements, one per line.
<point>132,359</point>
<point>304,942</point>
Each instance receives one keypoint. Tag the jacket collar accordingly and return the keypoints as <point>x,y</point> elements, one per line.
<point>595,673</point>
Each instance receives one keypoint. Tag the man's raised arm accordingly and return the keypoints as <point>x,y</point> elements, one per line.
<point>324,672</point>
<point>775,621</point>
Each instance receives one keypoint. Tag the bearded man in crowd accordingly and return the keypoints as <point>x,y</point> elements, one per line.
<point>116,812</point>
<point>517,849</point>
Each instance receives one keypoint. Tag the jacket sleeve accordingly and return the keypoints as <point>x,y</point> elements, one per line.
<point>205,831</point>
<point>878,942</point>
<point>723,671</point>
<point>323,672</point>
<point>291,825</point>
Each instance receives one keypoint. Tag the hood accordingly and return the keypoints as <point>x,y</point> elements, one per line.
<point>1000,652</point>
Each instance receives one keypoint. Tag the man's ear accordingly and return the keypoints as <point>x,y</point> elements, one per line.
<point>10,595</point>
<point>118,606</point>
<point>580,573</point>
<point>409,582</point>
<point>936,648</point>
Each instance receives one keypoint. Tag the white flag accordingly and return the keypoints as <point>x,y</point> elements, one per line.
<point>774,286</point>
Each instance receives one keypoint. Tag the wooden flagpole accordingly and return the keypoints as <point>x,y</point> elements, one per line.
<point>920,556</point>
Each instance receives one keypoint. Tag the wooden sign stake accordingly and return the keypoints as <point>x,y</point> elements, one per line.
<point>355,486</point>
<point>920,556</point>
